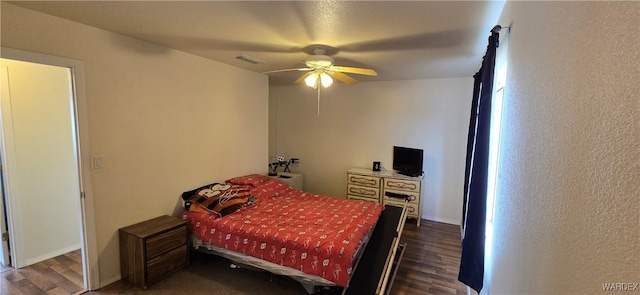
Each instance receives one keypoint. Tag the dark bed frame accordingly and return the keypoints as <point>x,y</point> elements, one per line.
<point>382,256</point>
<point>376,266</point>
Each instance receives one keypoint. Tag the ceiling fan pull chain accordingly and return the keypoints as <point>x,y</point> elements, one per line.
<point>318,101</point>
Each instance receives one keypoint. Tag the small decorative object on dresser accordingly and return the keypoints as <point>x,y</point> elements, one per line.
<point>387,188</point>
<point>376,166</point>
<point>152,250</point>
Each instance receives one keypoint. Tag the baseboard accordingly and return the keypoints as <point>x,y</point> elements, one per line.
<point>51,254</point>
<point>109,281</point>
<point>443,220</point>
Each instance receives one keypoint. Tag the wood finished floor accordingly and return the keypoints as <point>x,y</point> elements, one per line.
<point>429,266</point>
<point>58,275</point>
<point>431,260</point>
<point>430,263</point>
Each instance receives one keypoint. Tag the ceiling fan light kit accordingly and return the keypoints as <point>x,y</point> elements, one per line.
<point>320,75</point>
<point>320,68</point>
<point>325,80</point>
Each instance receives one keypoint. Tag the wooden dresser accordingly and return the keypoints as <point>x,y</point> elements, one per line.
<point>363,185</point>
<point>152,250</point>
<point>387,188</point>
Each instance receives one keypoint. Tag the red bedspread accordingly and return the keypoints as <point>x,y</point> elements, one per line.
<point>315,234</point>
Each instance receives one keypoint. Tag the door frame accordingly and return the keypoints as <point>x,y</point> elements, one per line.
<point>81,125</point>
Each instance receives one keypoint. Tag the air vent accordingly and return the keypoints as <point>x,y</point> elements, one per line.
<point>249,59</point>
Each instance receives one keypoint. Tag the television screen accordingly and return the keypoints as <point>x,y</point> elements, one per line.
<point>407,161</point>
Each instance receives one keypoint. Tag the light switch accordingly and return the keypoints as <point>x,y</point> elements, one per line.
<point>97,162</point>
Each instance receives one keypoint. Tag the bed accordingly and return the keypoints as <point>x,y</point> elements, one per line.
<point>262,222</point>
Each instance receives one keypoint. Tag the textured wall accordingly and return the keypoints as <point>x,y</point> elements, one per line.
<point>567,215</point>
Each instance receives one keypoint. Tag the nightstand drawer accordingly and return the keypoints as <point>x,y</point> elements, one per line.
<point>402,184</point>
<point>166,264</point>
<point>169,240</point>
<point>367,192</point>
<point>362,180</point>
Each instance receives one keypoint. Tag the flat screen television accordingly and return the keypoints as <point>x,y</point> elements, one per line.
<point>407,161</point>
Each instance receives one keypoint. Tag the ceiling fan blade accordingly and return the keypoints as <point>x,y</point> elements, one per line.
<point>288,70</point>
<point>342,78</point>
<point>301,79</point>
<point>360,71</point>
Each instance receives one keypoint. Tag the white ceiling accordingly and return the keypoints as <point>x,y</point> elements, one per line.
<point>400,40</point>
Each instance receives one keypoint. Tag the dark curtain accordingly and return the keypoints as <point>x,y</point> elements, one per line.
<point>472,263</point>
<point>470,138</point>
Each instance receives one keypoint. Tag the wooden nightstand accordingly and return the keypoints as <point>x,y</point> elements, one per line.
<point>152,250</point>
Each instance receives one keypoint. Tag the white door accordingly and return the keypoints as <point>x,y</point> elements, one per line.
<point>4,244</point>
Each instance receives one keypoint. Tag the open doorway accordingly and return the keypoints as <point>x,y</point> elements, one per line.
<point>49,213</point>
<point>40,161</point>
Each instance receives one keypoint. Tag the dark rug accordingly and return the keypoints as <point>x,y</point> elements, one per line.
<point>209,274</point>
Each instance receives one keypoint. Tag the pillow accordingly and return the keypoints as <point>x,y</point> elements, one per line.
<point>217,198</point>
<point>254,180</point>
<point>187,195</point>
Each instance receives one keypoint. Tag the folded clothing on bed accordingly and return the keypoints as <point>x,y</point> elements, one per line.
<point>315,234</point>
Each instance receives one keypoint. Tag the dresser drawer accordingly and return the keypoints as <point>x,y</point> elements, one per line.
<point>162,266</point>
<point>402,184</point>
<point>159,244</point>
<point>363,180</point>
<point>413,197</point>
<point>374,200</point>
<point>362,191</point>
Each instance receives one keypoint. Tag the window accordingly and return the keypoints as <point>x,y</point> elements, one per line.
<point>499,86</point>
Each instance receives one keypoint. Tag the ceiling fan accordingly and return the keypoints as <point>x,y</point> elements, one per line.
<point>320,70</point>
